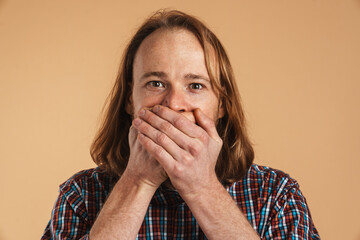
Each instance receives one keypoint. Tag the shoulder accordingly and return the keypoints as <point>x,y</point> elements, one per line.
<point>87,181</point>
<point>273,203</point>
<point>84,193</point>
<point>270,176</point>
<point>263,182</point>
<point>83,177</point>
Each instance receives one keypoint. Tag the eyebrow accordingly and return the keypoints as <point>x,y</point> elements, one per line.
<point>196,76</point>
<point>154,74</point>
<point>162,75</point>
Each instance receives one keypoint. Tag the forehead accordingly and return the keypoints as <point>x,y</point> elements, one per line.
<point>170,50</point>
<point>171,40</point>
<point>176,49</point>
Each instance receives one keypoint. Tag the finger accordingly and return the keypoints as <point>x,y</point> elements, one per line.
<point>132,135</point>
<point>159,137</point>
<point>165,127</point>
<point>207,124</point>
<point>157,152</point>
<point>179,121</point>
<point>189,115</point>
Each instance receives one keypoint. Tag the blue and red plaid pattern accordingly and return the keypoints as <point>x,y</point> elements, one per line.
<point>269,198</point>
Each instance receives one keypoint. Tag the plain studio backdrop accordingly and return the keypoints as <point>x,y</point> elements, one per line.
<point>297,64</point>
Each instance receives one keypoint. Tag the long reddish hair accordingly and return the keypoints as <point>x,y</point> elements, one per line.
<point>110,148</point>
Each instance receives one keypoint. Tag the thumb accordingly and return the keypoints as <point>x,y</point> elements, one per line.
<point>207,124</point>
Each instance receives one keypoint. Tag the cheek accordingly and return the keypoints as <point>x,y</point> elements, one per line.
<point>210,109</point>
<point>143,101</point>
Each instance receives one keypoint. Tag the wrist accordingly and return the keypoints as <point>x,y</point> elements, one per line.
<point>131,178</point>
<point>202,191</point>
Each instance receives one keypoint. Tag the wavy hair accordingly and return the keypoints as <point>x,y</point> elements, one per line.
<point>110,148</point>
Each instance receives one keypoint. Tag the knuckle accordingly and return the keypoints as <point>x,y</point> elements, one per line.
<point>132,134</point>
<point>144,127</point>
<point>179,122</point>
<point>158,151</point>
<point>186,158</point>
<point>195,148</point>
<point>161,110</point>
<point>145,142</point>
<point>160,138</point>
<point>178,170</point>
<point>204,137</point>
<point>165,126</point>
<point>150,117</point>
<point>220,141</point>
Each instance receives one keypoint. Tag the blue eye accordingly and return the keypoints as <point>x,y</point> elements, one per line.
<point>196,86</point>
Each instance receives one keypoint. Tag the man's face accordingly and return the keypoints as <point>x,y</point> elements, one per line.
<point>169,70</point>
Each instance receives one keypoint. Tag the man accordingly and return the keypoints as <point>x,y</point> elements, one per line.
<point>174,158</point>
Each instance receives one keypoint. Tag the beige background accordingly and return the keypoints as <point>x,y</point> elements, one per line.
<point>296,62</point>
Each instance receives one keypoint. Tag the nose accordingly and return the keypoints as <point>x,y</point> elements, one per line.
<point>176,100</point>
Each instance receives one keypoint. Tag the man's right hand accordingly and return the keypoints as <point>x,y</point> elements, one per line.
<point>126,206</point>
<point>142,167</point>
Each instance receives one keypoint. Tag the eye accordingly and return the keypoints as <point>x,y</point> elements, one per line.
<point>196,86</point>
<point>155,84</point>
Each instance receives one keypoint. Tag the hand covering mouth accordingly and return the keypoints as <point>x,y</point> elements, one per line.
<point>188,115</point>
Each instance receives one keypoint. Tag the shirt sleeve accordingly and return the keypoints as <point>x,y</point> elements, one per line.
<point>68,218</point>
<point>290,218</point>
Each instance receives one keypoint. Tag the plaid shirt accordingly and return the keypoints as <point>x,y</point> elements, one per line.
<point>269,198</point>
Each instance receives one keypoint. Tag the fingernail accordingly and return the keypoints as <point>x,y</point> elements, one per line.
<point>137,122</point>
<point>142,112</point>
<point>156,108</point>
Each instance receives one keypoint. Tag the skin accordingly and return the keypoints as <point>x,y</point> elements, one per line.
<point>169,70</point>
<point>173,136</point>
